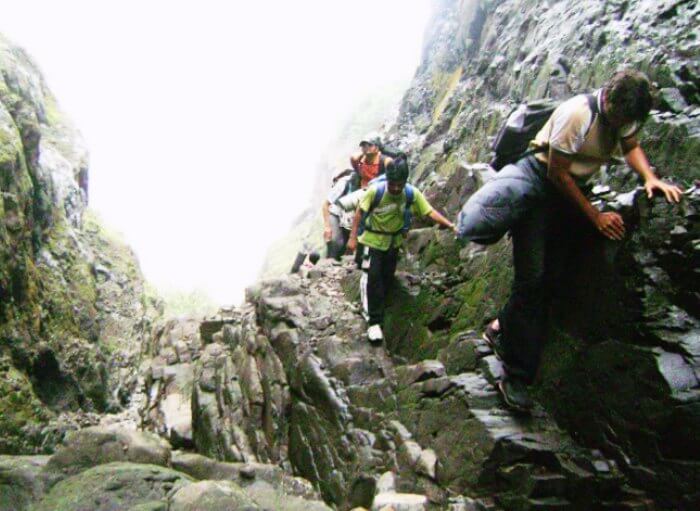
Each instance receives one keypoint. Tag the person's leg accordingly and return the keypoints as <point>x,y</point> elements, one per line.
<point>360,255</point>
<point>376,290</point>
<point>362,261</point>
<point>334,245</point>
<point>501,202</point>
<point>523,318</point>
<point>344,236</point>
<point>391,259</point>
<point>298,261</point>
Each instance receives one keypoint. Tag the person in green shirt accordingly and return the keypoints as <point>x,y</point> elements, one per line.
<point>386,209</point>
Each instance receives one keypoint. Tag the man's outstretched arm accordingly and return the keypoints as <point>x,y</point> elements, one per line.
<point>438,218</point>
<point>609,224</point>
<point>637,159</point>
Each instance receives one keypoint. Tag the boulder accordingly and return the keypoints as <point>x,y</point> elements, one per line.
<point>386,483</point>
<point>99,444</point>
<point>244,474</point>
<point>425,370</point>
<point>212,496</point>
<point>22,481</point>
<point>114,487</point>
<point>400,502</point>
<point>268,496</point>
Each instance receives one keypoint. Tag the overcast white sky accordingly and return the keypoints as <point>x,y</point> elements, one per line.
<point>205,119</point>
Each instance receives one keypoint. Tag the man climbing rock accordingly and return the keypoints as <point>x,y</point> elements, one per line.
<point>384,214</point>
<point>336,221</point>
<point>544,194</point>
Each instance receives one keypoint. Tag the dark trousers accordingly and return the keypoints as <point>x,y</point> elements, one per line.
<point>542,243</point>
<point>523,319</point>
<point>360,255</point>
<point>335,248</point>
<point>520,199</point>
<point>380,276</point>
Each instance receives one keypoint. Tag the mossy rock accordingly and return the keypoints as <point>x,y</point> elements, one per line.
<point>19,408</point>
<point>22,481</point>
<point>212,496</point>
<point>98,445</point>
<point>113,487</point>
<point>269,497</point>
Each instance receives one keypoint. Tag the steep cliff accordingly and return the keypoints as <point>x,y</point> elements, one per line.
<point>73,310</point>
<point>621,368</point>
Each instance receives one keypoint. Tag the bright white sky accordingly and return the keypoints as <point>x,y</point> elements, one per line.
<point>205,119</point>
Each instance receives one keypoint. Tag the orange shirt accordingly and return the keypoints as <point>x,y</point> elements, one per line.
<point>368,171</point>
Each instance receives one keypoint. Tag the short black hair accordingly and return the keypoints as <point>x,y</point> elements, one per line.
<point>397,170</point>
<point>628,94</point>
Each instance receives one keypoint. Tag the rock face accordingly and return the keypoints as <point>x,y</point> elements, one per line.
<point>621,369</point>
<point>73,311</point>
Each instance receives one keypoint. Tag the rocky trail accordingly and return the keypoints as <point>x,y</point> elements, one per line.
<point>292,379</point>
<point>288,384</point>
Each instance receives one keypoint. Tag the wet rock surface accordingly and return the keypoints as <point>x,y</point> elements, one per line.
<point>619,372</point>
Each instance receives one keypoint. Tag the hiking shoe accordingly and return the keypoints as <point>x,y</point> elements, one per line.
<point>493,339</point>
<point>515,394</point>
<point>375,334</point>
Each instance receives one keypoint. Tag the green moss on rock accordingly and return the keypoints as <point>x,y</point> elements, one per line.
<point>113,486</point>
<point>19,408</point>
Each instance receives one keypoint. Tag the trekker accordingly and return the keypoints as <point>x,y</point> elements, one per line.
<point>371,163</point>
<point>336,221</point>
<point>541,198</point>
<point>385,213</point>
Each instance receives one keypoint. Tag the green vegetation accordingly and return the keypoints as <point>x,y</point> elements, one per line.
<point>19,408</point>
<point>195,303</point>
<point>445,85</point>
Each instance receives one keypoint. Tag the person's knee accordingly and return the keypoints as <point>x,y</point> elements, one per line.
<point>481,224</point>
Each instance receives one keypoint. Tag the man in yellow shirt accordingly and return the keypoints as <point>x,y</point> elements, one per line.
<point>384,215</point>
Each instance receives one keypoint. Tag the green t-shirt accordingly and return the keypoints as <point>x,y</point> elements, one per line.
<point>388,217</point>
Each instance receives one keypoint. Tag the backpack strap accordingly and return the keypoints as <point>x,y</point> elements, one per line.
<point>382,164</point>
<point>378,195</point>
<point>595,109</point>
<point>407,216</point>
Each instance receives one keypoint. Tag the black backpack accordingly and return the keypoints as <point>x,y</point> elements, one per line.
<point>522,125</point>
<point>392,152</point>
